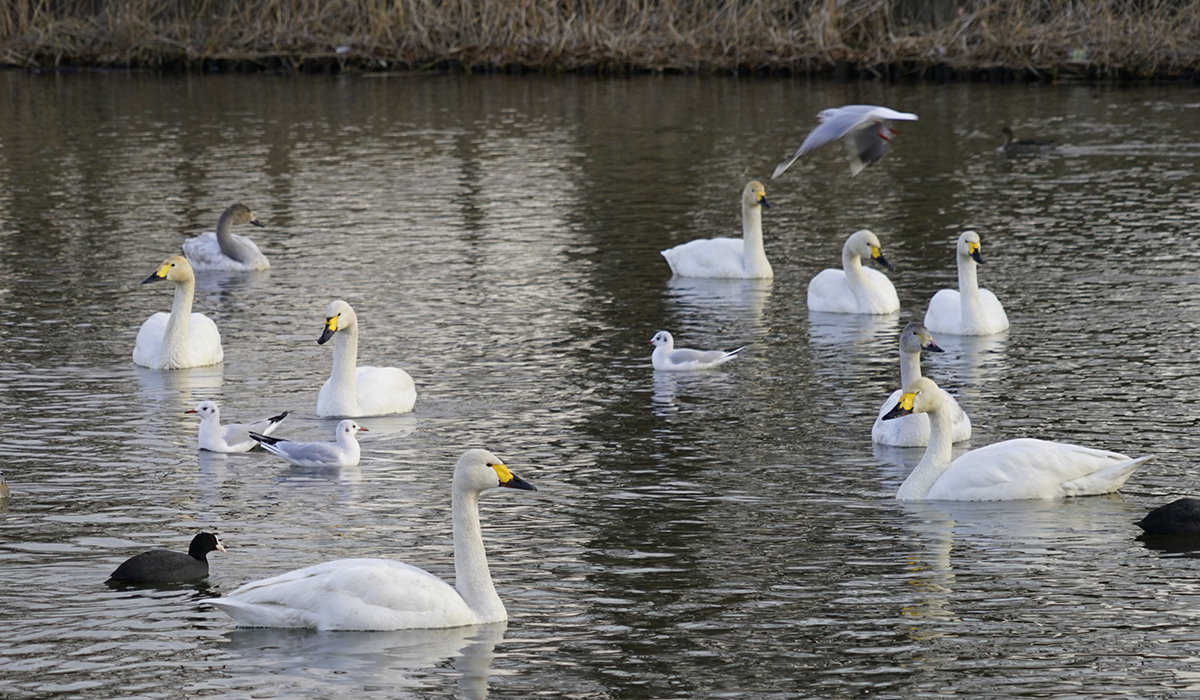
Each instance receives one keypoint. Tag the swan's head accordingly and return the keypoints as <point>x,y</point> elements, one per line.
<point>206,409</point>
<point>204,543</point>
<point>661,339</point>
<point>478,470</point>
<point>348,428</point>
<point>921,396</point>
<point>174,269</point>
<point>240,214</point>
<point>916,337</point>
<point>866,245</point>
<point>968,246</point>
<point>755,194</point>
<point>338,316</point>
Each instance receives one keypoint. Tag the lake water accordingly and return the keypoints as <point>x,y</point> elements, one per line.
<point>725,534</point>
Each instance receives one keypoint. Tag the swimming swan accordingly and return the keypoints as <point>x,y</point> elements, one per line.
<point>225,250</point>
<point>234,437</point>
<point>180,339</point>
<point>354,391</point>
<point>867,129</point>
<point>913,430</point>
<point>667,357</point>
<point>731,258</point>
<point>855,289</point>
<point>380,594</point>
<point>1003,471</point>
<point>969,310</point>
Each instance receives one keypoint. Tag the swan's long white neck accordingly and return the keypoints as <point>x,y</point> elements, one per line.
<point>937,456</point>
<point>472,579</point>
<point>755,258</point>
<point>968,287</point>
<point>176,349</point>
<point>910,367</point>
<point>852,265</point>
<point>345,362</point>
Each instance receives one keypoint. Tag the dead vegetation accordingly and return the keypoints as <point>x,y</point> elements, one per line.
<point>1033,38</point>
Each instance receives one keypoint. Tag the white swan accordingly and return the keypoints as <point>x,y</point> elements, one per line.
<point>867,129</point>
<point>913,430</point>
<point>736,258</point>
<point>234,437</point>
<point>359,391</point>
<point>380,594</point>
<point>1003,471</point>
<point>180,339</point>
<point>667,357</point>
<point>342,452</point>
<point>969,310</point>
<point>855,289</point>
<point>225,250</point>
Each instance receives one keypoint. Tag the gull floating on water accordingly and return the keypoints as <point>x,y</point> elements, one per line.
<point>234,437</point>
<point>667,357</point>
<point>866,128</point>
<point>343,452</point>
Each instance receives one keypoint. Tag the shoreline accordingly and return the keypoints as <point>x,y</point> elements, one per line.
<point>892,40</point>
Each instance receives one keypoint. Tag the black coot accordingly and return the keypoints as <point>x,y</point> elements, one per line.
<point>165,566</point>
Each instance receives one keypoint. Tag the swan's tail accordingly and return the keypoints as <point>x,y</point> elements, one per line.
<point>1106,480</point>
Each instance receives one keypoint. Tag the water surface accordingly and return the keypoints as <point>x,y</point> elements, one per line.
<point>728,534</point>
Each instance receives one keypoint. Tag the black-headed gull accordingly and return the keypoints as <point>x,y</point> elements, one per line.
<point>234,437</point>
<point>165,566</point>
<point>342,452</point>
<point>866,128</point>
<point>667,357</point>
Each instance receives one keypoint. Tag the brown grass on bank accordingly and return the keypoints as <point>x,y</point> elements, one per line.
<point>1130,37</point>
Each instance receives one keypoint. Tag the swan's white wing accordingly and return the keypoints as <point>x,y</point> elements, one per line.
<point>384,390</point>
<point>149,340</point>
<point>1032,469</point>
<point>349,594</point>
<point>829,292</point>
<point>878,295</point>
<point>944,314</point>
<point>993,311</point>
<point>708,257</point>
<point>205,341</point>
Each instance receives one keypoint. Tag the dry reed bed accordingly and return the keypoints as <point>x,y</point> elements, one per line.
<point>1141,38</point>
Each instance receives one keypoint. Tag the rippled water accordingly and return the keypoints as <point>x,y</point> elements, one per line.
<point>730,534</point>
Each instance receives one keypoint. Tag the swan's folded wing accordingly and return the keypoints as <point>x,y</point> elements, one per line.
<point>149,339</point>
<point>348,594</point>
<point>384,390</point>
<point>707,257</point>
<point>1027,468</point>
<point>205,340</point>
